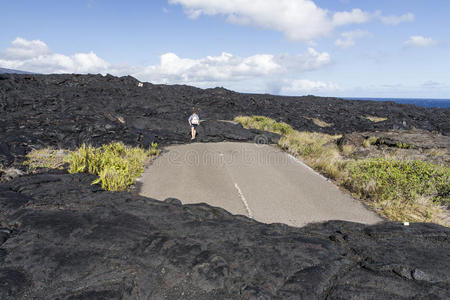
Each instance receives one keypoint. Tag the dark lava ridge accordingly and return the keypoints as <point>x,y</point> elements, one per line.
<point>65,111</point>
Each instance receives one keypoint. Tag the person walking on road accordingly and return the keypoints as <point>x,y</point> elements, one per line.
<point>194,121</point>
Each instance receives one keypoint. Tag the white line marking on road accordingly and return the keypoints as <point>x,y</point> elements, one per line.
<point>306,166</point>
<point>249,212</point>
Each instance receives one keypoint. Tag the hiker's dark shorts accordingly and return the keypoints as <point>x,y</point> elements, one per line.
<point>194,125</point>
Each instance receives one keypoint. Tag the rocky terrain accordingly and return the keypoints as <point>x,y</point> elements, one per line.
<point>66,239</point>
<point>413,144</point>
<point>63,238</point>
<point>66,110</point>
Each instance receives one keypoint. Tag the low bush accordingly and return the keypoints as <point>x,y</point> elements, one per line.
<point>400,187</point>
<point>116,165</point>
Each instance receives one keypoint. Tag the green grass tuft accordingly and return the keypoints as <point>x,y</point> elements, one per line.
<point>370,141</point>
<point>45,158</point>
<point>116,165</point>
<point>265,124</point>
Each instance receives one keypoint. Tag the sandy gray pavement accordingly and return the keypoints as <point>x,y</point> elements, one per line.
<point>258,181</point>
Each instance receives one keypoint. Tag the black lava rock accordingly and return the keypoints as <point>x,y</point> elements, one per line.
<point>62,238</point>
<point>67,110</point>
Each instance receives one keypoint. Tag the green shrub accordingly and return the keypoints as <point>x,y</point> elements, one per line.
<point>116,165</point>
<point>399,179</point>
<point>399,187</point>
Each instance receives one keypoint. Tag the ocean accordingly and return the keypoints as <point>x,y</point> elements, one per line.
<point>424,102</point>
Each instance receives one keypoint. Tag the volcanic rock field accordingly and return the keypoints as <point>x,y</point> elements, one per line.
<point>63,238</point>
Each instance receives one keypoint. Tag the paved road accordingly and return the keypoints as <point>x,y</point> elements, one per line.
<point>259,181</point>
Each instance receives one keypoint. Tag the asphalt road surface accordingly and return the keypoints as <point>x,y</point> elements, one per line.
<point>258,181</point>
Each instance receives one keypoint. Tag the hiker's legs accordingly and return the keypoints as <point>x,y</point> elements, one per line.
<point>192,132</point>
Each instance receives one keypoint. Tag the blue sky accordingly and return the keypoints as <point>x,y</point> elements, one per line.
<point>355,48</point>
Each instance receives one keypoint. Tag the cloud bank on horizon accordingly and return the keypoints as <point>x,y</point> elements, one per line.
<point>36,56</point>
<point>301,22</point>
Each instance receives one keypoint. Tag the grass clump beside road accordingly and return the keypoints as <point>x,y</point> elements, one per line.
<point>265,124</point>
<point>316,149</point>
<point>116,165</point>
<point>401,190</point>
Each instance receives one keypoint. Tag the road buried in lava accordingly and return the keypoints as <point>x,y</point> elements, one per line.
<point>258,181</point>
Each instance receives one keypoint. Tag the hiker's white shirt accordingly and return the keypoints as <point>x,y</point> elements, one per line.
<point>192,117</point>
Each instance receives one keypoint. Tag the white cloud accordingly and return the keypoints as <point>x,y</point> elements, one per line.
<point>356,16</point>
<point>222,70</point>
<point>311,60</point>
<point>228,67</point>
<point>36,56</point>
<point>301,86</point>
<point>395,20</point>
<point>23,49</point>
<point>300,20</point>
<point>348,38</point>
<point>420,41</point>
<point>430,84</point>
<point>174,69</point>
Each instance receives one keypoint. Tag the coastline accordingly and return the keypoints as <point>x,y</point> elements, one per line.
<point>422,102</point>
